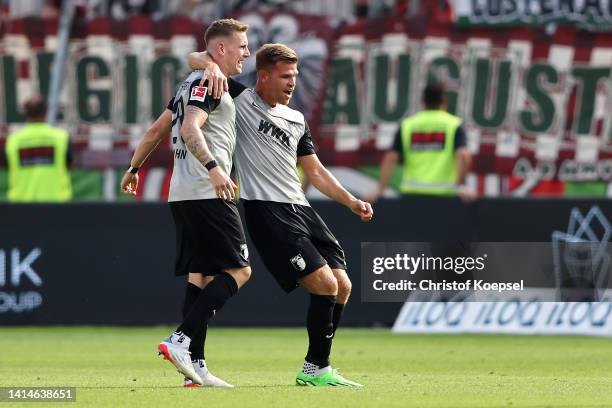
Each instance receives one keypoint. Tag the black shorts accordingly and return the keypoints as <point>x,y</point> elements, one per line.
<point>292,240</point>
<point>209,237</point>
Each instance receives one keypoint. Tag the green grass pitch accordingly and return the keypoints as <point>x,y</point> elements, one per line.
<point>119,367</point>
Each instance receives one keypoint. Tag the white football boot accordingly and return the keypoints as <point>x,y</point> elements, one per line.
<point>208,379</point>
<point>175,349</point>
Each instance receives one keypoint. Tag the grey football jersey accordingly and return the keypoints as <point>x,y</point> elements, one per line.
<point>269,141</point>
<point>190,179</point>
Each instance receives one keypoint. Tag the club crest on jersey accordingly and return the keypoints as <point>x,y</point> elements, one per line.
<point>298,262</point>
<point>198,93</point>
<point>244,252</point>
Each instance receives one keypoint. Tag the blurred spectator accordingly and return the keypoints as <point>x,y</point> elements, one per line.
<point>341,10</point>
<point>381,8</point>
<point>432,146</point>
<point>25,8</point>
<point>205,10</point>
<point>259,5</point>
<point>4,14</point>
<point>122,9</point>
<point>31,8</point>
<point>198,10</point>
<point>51,9</point>
<point>138,7</point>
<point>361,8</point>
<point>38,158</point>
<point>440,11</point>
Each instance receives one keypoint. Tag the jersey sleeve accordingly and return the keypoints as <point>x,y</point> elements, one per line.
<point>170,104</point>
<point>198,97</point>
<point>235,87</point>
<point>305,146</point>
<point>460,138</point>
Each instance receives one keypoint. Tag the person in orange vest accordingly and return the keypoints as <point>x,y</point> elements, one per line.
<point>38,157</point>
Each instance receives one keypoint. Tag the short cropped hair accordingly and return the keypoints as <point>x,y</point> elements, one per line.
<point>35,107</point>
<point>433,95</point>
<point>223,28</point>
<point>269,54</point>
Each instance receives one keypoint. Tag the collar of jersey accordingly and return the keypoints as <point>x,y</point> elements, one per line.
<point>279,111</point>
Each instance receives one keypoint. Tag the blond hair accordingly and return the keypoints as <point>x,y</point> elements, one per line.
<point>224,28</point>
<point>269,54</point>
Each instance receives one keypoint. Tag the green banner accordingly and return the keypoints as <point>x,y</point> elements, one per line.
<point>593,15</point>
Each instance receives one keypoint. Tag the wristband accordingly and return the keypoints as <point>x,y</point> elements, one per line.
<point>211,165</point>
<point>133,169</point>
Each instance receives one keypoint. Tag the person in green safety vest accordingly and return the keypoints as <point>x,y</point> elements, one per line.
<point>432,146</point>
<point>38,157</point>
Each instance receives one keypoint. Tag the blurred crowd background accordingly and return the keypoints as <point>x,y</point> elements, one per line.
<point>531,82</point>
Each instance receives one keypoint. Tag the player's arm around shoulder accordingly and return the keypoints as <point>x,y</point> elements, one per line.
<point>325,182</point>
<point>216,80</point>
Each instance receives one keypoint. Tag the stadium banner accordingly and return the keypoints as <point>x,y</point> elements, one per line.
<point>534,105</point>
<point>527,315</point>
<point>113,264</point>
<point>535,114</point>
<point>591,15</point>
<point>119,76</point>
<point>93,263</point>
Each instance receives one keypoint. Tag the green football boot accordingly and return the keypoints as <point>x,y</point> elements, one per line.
<point>331,378</point>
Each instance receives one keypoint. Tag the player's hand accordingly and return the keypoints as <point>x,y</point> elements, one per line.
<point>224,186</point>
<point>217,82</point>
<point>374,196</point>
<point>363,209</point>
<point>129,183</point>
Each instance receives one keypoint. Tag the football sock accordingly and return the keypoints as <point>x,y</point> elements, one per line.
<point>178,338</point>
<point>313,369</point>
<point>337,314</point>
<point>201,364</point>
<point>320,329</point>
<point>211,299</point>
<point>197,341</point>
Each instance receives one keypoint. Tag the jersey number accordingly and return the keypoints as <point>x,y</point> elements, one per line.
<point>179,114</point>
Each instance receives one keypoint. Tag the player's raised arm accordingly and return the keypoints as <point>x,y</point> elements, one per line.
<point>217,81</point>
<point>194,141</point>
<point>326,183</point>
<point>155,134</point>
